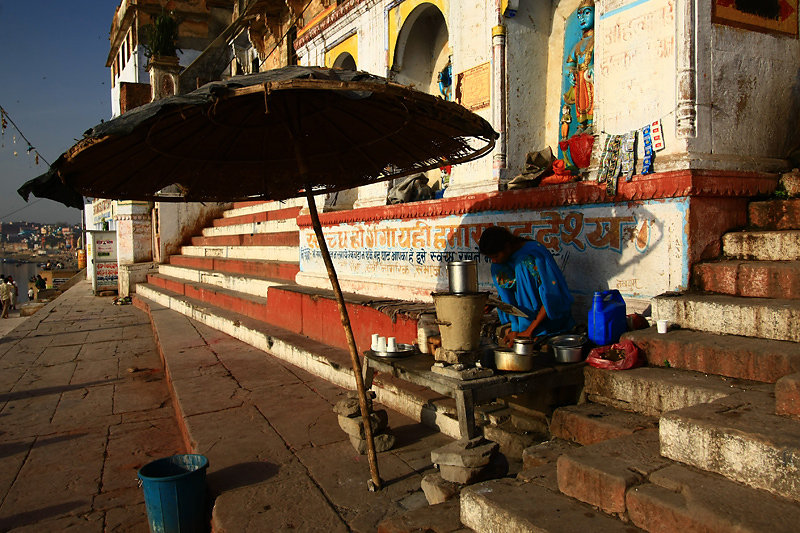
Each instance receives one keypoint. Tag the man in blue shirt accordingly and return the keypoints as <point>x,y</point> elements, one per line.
<point>527,277</point>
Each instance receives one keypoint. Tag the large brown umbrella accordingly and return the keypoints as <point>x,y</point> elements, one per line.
<point>273,135</point>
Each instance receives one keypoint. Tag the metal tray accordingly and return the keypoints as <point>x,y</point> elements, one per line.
<point>403,350</point>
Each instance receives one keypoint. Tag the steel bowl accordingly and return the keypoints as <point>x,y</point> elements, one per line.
<point>568,348</point>
<point>506,359</point>
<point>525,346</point>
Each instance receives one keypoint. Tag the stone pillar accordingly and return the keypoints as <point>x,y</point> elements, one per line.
<point>134,244</point>
<point>163,76</point>
<point>686,114</point>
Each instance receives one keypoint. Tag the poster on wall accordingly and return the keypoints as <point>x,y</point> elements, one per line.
<point>106,276</point>
<point>770,16</point>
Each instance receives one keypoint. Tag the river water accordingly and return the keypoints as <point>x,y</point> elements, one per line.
<point>21,272</point>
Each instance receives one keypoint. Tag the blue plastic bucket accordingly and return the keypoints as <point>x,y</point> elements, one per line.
<point>607,318</point>
<point>175,493</point>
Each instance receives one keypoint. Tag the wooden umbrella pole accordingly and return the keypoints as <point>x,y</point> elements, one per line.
<point>351,342</point>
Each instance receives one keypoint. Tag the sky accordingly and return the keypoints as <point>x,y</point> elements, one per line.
<point>54,85</point>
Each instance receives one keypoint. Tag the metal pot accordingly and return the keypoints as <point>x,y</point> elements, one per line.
<point>507,359</point>
<point>523,346</point>
<point>568,348</point>
<point>463,276</point>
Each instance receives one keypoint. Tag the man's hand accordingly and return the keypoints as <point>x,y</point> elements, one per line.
<point>508,339</point>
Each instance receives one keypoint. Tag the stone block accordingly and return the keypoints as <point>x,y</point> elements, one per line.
<point>512,441</point>
<point>723,355</point>
<point>601,474</point>
<point>739,437</point>
<point>651,391</point>
<point>355,426</point>
<point>439,518</point>
<point>439,490</point>
<point>512,506</point>
<point>496,467</point>
<point>545,452</point>
<point>775,214</point>
<point>765,318</point>
<point>350,407</point>
<point>590,423</point>
<point>791,183</point>
<point>752,279</point>
<point>787,395</point>
<point>383,443</point>
<point>464,453</point>
<point>679,498</point>
<point>764,245</point>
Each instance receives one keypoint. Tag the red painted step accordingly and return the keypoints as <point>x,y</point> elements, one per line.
<point>244,304</point>
<point>747,358</point>
<point>313,313</point>
<point>286,238</point>
<point>248,267</point>
<point>775,214</point>
<point>752,279</point>
<point>264,216</point>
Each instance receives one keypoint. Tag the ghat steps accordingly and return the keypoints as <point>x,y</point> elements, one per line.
<point>704,394</point>
<point>706,437</point>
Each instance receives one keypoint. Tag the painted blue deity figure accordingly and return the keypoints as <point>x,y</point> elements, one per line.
<point>579,72</point>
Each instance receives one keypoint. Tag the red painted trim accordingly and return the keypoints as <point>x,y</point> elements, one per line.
<point>288,238</point>
<point>237,205</point>
<point>677,184</point>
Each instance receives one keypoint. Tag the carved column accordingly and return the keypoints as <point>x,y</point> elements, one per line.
<point>163,76</point>
<point>686,114</point>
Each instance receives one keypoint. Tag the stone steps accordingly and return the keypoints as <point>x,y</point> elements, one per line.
<point>765,318</point>
<point>724,355</point>
<point>282,270</point>
<point>752,279</point>
<point>269,226</point>
<point>288,238</point>
<point>233,282</point>
<point>262,216</point>
<point>246,304</point>
<point>286,254</point>
<point>739,437</point>
<point>652,391</point>
<point>590,423</point>
<point>509,505</point>
<point>775,214</point>
<point>319,358</point>
<point>679,498</point>
<point>259,206</point>
<point>764,245</point>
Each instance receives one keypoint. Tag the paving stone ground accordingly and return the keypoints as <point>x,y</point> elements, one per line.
<point>85,402</point>
<point>83,405</point>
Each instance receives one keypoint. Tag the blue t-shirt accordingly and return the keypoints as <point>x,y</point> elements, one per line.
<point>529,280</point>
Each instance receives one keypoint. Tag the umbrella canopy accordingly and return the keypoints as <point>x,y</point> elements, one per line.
<point>271,135</point>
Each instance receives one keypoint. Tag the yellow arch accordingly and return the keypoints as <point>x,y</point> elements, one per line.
<point>399,14</point>
<point>349,45</point>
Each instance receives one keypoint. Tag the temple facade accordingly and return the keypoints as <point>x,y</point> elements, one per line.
<point>632,132</point>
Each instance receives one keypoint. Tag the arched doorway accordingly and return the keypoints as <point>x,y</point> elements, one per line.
<point>345,61</point>
<point>422,49</point>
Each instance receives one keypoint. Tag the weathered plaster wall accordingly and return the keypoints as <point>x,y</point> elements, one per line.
<point>528,35</point>
<point>178,222</point>
<point>754,94</point>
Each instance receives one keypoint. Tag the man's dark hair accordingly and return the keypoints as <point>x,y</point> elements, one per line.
<point>494,239</point>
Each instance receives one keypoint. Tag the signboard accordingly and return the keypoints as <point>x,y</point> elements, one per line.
<point>598,247</point>
<point>106,276</point>
<point>473,87</point>
<point>105,248</point>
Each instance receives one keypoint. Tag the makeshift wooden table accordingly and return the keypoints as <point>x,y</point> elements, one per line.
<point>416,369</point>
